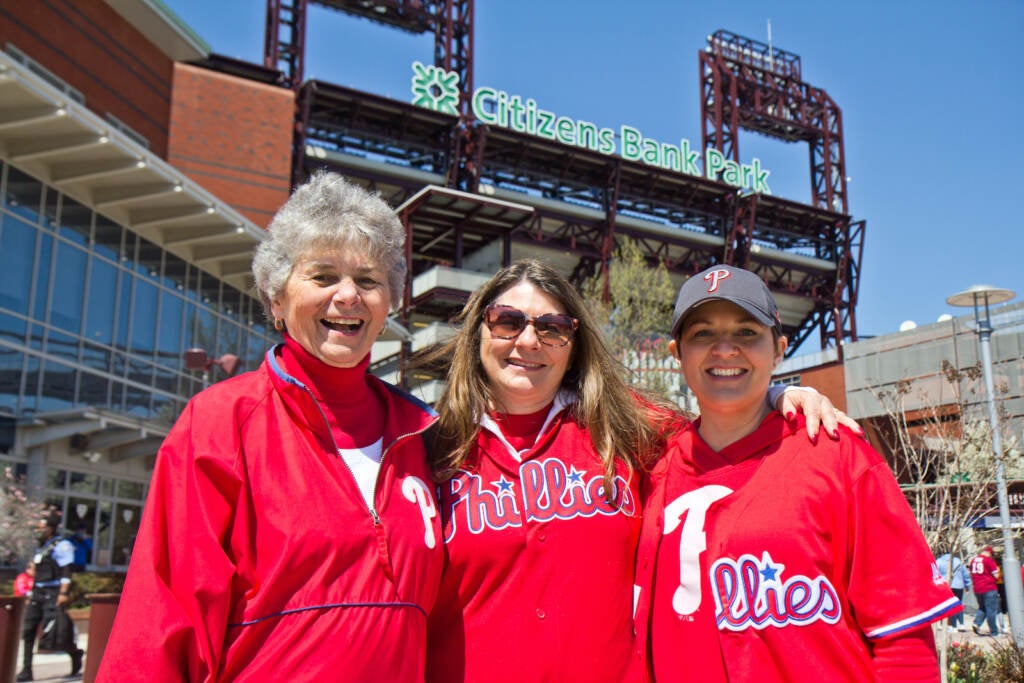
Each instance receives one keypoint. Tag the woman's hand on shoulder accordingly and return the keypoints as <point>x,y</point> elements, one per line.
<point>818,410</point>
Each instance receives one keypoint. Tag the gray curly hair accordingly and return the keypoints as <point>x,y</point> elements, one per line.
<point>328,212</point>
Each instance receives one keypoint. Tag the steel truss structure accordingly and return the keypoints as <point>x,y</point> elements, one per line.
<point>578,202</point>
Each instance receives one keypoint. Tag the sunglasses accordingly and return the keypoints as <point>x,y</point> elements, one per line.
<point>552,329</point>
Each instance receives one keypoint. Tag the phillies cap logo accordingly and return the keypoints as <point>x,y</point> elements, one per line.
<point>716,276</point>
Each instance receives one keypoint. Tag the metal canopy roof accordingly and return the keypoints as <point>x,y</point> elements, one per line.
<point>59,141</point>
<point>93,430</point>
<point>437,217</point>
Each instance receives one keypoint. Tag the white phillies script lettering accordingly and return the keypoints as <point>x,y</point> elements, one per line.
<point>748,592</point>
<point>415,491</point>
<point>751,593</point>
<point>714,277</point>
<point>692,541</point>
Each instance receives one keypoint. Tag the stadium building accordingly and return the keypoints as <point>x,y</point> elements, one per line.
<point>138,169</point>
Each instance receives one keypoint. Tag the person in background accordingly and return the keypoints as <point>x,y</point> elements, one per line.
<point>82,541</point>
<point>23,581</point>
<point>985,579</point>
<point>765,556</point>
<point>291,531</point>
<point>542,449</point>
<point>50,594</point>
<point>955,572</point>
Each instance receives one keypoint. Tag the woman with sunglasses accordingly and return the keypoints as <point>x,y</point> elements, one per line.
<point>542,442</point>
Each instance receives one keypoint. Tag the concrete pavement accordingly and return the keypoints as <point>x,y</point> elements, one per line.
<point>54,666</point>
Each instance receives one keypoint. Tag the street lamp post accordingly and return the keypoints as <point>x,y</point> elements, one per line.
<point>980,297</point>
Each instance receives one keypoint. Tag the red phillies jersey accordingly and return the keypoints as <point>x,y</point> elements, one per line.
<point>538,577</point>
<point>983,574</point>
<point>259,560</point>
<point>778,560</point>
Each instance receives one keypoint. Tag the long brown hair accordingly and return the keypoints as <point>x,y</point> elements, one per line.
<point>621,425</point>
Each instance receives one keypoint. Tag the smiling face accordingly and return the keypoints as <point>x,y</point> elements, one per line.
<point>727,358</point>
<point>523,373</point>
<point>335,303</point>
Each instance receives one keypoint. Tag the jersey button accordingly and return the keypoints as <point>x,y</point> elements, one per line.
<point>541,614</point>
<point>541,536</point>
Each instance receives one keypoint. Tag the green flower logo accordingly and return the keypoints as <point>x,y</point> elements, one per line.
<point>435,88</point>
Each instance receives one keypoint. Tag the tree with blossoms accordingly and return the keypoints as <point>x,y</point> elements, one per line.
<point>19,517</point>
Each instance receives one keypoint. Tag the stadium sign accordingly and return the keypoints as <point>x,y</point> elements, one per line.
<point>437,89</point>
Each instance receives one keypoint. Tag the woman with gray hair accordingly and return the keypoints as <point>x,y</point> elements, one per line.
<point>291,529</point>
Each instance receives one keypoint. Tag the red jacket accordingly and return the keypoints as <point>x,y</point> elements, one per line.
<point>539,570</point>
<point>257,558</point>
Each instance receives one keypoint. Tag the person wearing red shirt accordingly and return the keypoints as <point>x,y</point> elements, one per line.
<point>23,581</point>
<point>291,531</point>
<point>985,580</point>
<point>764,556</point>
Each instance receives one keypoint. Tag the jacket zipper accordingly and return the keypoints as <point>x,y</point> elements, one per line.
<point>371,507</point>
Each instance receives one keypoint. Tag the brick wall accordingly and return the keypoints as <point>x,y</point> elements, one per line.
<point>233,137</point>
<point>829,380</point>
<point>94,50</point>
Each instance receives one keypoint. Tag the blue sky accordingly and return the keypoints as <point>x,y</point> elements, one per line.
<point>931,95</point>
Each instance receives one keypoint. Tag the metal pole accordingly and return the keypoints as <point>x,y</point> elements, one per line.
<point>1011,565</point>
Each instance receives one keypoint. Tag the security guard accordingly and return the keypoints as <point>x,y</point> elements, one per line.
<point>53,560</point>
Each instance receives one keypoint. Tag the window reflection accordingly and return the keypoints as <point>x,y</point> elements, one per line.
<point>126,526</point>
<point>22,195</point>
<point>94,390</point>
<point>68,286</point>
<point>102,295</point>
<point>17,251</point>
<point>108,239</point>
<point>81,482</point>
<point>55,478</point>
<point>171,311</point>
<point>143,314</point>
<point>58,390</point>
<point>10,378</point>
<point>12,327</point>
<point>75,221</point>
<point>42,284</point>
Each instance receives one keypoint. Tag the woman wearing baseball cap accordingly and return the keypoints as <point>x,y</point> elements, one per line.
<point>765,556</point>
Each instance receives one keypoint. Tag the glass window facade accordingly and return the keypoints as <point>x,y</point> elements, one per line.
<point>92,314</point>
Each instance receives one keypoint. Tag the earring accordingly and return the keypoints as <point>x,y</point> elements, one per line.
<point>278,324</point>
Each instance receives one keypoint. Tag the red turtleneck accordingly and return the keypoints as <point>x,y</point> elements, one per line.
<point>521,431</point>
<point>342,392</point>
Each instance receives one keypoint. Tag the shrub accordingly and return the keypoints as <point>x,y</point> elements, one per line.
<point>966,663</point>
<point>1005,662</point>
<point>84,583</point>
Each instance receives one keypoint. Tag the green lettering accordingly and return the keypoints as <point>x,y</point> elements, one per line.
<point>651,153</point>
<point>669,156</point>
<point>631,139</point>
<point>515,111</point>
<point>545,129</point>
<point>531,117</point>
<point>586,134</point>
<point>760,177</point>
<point>565,130</point>
<point>713,163</point>
<point>481,99</point>
<point>689,158</point>
<point>607,141</point>
<point>731,174</point>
